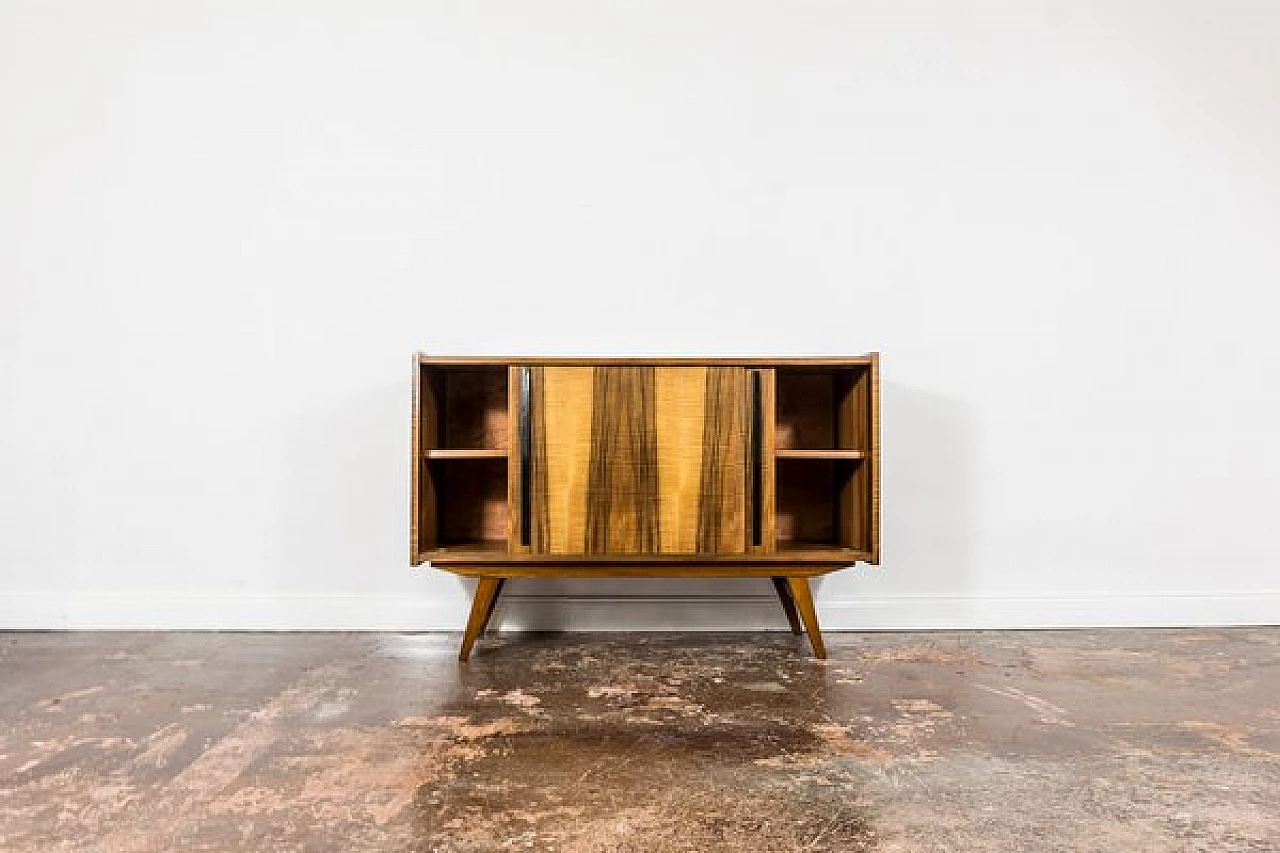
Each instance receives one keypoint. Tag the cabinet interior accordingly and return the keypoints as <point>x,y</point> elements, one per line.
<point>471,509</point>
<point>823,408</point>
<point>465,408</point>
<point>464,435</point>
<point>822,443</point>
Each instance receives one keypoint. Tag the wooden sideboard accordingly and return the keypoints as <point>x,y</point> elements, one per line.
<point>623,467</point>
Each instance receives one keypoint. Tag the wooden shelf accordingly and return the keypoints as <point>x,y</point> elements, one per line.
<point>819,550</point>
<point>817,553</point>
<point>469,550</point>
<point>466,453</point>
<point>821,454</point>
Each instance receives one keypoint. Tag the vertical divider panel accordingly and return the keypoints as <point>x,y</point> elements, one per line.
<point>518,496</point>
<point>525,431</point>
<point>766,423</point>
<point>755,463</point>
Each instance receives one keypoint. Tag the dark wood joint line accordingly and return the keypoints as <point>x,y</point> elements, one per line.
<point>757,460</point>
<point>526,452</point>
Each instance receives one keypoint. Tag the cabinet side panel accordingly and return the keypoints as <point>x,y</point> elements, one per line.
<point>856,485</point>
<point>853,417</point>
<point>415,459</point>
<point>873,457</point>
<point>424,429</point>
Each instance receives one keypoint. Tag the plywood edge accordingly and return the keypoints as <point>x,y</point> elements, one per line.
<point>874,556</point>
<point>673,361</point>
<point>415,461</point>
<point>622,570</point>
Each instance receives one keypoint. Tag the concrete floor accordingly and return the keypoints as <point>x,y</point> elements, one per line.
<point>998,741</point>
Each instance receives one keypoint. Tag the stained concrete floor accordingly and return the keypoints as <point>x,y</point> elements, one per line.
<point>997,741</point>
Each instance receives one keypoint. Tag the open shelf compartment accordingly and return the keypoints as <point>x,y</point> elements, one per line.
<point>822,446</point>
<point>464,407</point>
<point>823,409</point>
<point>823,504</point>
<point>464,425</point>
<point>470,503</point>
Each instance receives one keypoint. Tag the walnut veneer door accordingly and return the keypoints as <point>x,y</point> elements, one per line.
<point>640,459</point>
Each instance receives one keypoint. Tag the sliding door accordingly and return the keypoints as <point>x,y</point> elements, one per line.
<point>633,460</point>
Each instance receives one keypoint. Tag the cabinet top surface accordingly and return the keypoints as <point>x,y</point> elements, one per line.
<point>751,361</point>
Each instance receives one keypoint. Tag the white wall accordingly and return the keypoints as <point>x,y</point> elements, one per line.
<point>225,227</point>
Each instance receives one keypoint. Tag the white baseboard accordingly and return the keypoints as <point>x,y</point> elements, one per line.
<point>626,613</point>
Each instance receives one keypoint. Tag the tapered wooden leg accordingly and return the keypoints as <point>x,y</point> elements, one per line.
<point>481,605</point>
<point>799,588</point>
<point>492,605</point>
<point>788,606</point>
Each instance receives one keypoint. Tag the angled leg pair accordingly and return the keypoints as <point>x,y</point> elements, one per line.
<point>797,602</point>
<point>482,605</point>
<point>793,592</point>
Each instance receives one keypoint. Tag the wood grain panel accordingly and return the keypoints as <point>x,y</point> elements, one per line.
<point>681,397</point>
<point>722,496</point>
<point>562,407</point>
<point>639,460</point>
<point>622,485</point>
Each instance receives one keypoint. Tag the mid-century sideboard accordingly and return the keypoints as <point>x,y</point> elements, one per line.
<point>625,467</point>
